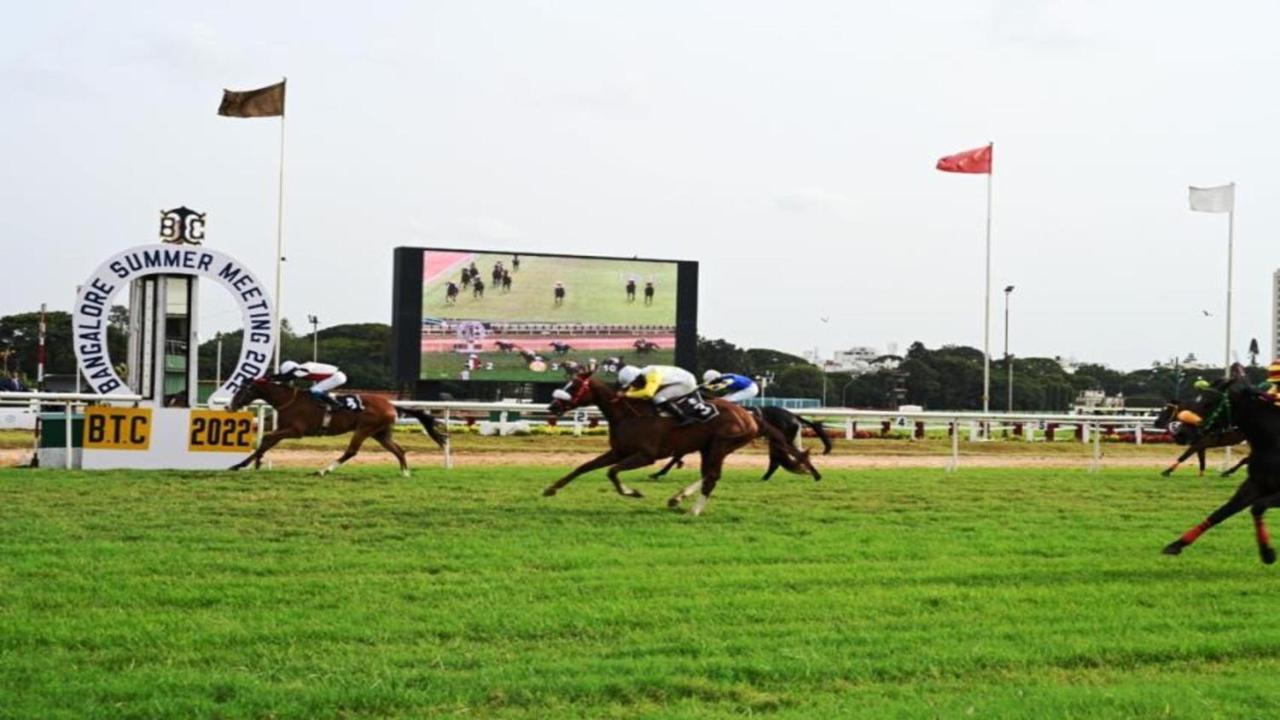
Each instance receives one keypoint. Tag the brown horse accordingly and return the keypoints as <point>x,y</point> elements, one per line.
<point>639,436</point>
<point>298,414</point>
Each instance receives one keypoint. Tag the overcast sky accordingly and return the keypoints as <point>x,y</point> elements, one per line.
<point>787,146</point>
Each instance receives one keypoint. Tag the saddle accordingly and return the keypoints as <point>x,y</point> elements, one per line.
<point>351,403</point>
<point>692,408</point>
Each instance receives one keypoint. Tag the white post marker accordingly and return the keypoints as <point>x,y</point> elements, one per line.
<point>448,442</point>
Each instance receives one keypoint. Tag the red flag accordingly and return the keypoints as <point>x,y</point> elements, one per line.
<point>969,161</point>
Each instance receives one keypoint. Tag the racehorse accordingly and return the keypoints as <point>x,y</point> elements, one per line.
<point>648,293</point>
<point>297,414</point>
<point>466,277</point>
<point>506,281</point>
<point>631,291</point>
<point>559,294</point>
<point>644,346</point>
<point>451,293</point>
<point>1233,401</point>
<point>639,436</point>
<point>515,263</point>
<point>790,425</point>
<point>1197,441</point>
<point>504,346</point>
<point>477,287</point>
<point>497,274</point>
<point>561,348</point>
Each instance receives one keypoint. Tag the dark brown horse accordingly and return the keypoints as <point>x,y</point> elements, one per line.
<point>1196,441</point>
<point>298,414</point>
<point>639,436</point>
<point>1233,402</point>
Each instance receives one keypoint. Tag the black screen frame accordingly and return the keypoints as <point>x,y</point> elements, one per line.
<point>406,327</point>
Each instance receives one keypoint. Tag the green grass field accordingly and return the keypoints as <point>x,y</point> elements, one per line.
<point>904,593</point>
<point>594,293</point>
<point>512,367</point>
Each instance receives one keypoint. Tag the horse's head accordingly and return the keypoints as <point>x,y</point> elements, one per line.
<point>575,394</point>
<point>248,392</point>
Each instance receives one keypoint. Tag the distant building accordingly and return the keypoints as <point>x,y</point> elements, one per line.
<point>857,360</point>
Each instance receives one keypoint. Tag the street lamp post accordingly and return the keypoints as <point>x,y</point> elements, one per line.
<point>1008,360</point>
<point>315,343</point>
<point>843,402</point>
<point>217,375</point>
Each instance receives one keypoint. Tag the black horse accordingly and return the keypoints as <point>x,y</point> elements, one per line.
<point>1234,401</point>
<point>561,348</point>
<point>466,277</point>
<point>506,347</point>
<point>506,281</point>
<point>1197,441</point>
<point>648,293</point>
<point>477,287</point>
<point>559,294</point>
<point>451,293</point>
<point>631,291</point>
<point>790,425</point>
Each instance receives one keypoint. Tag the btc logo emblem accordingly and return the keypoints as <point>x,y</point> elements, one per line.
<point>112,428</point>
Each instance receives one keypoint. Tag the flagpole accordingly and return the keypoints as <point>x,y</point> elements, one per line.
<point>279,231</point>
<point>986,310</point>
<point>1231,229</point>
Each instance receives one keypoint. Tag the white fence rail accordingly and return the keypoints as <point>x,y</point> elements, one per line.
<point>979,425</point>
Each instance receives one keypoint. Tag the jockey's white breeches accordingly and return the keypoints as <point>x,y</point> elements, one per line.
<point>336,380</point>
<point>667,393</point>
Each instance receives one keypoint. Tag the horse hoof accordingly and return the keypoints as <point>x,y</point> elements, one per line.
<point>549,492</point>
<point>673,503</point>
<point>1268,554</point>
<point>1174,548</point>
<point>1166,473</point>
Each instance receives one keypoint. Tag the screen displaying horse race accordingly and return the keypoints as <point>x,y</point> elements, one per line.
<point>512,317</point>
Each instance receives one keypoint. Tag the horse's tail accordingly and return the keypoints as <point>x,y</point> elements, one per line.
<point>792,459</point>
<point>820,431</point>
<point>428,423</point>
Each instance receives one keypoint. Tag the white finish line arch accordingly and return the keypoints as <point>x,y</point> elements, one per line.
<point>93,305</point>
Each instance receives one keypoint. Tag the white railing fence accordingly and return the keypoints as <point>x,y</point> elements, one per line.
<point>980,426</point>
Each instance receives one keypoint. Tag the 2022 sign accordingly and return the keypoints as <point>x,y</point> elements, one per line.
<point>219,431</point>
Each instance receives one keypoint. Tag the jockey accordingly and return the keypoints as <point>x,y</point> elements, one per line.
<point>730,386</point>
<point>665,385</point>
<point>1271,388</point>
<point>326,378</point>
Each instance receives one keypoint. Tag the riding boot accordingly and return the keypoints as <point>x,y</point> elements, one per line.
<point>682,418</point>
<point>328,400</point>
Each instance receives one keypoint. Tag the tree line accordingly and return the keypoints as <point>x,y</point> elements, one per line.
<point>948,377</point>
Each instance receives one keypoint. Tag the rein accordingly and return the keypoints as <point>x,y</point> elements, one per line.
<point>1224,404</point>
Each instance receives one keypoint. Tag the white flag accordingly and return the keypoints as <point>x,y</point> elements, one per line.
<point>1215,199</point>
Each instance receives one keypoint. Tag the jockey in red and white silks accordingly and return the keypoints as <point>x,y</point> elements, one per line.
<point>326,377</point>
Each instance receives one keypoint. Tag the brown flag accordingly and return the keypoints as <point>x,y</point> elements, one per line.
<point>263,102</point>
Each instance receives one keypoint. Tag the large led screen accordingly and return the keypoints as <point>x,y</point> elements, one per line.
<point>529,318</point>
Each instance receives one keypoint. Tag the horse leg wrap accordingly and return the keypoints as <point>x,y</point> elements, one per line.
<point>1194,533</point>
<point>1260,529</point>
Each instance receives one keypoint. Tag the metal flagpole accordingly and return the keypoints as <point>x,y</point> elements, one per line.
<point>986,310</point>
<point>1231,230</point>
<point>280,227</point>
<point>1231,227</point>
